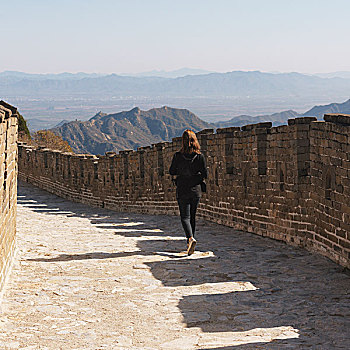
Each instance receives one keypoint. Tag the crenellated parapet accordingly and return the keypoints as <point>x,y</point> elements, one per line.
<point>290,182</point>
<point>8,187</point>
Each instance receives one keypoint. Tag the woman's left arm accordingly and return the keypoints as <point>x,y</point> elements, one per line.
<point>173,166</point>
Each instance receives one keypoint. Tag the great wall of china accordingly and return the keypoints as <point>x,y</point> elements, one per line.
<point>290,183</point>
<point>8,187</point>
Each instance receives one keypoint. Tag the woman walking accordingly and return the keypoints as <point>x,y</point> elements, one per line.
<point>190,168</point>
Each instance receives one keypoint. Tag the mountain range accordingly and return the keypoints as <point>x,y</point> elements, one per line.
<point>135,128</point>
<point>339,74</point>
<point>13,76</point>
<point>182,72</point>
<point>276,118</point>
<point>282,117</point>
<point>231,84</point>
<point>319,111</point>
<point>153,73</point>
<point>80,75</point>
<point>128,129</point>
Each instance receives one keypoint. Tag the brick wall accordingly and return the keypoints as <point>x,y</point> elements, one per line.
<point>290,183</point>
<point>8,187</point>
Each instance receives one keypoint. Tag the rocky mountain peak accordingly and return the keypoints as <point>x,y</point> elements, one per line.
<point>128,129</point>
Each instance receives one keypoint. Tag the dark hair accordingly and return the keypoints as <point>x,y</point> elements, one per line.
<point>190,143</point>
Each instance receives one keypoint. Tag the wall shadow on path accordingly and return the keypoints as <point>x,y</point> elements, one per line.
<point>295,288</point>
<point>128,225</point>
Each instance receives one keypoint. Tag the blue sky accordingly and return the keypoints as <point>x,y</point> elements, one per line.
<point>42,36</point>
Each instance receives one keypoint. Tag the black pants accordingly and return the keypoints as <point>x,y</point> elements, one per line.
<point>188,208</point>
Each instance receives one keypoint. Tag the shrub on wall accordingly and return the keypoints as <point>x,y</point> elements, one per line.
<point>23,131</point>
<point>46,138</point>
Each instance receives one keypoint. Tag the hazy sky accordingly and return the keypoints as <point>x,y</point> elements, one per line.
<point>42,36</point>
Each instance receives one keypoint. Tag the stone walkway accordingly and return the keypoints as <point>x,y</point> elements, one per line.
<point>89,278</point>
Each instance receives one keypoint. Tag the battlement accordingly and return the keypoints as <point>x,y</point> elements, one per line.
<point>8,187</point>
<point>290,183</point>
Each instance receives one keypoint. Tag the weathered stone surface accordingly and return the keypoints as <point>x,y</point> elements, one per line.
<point>343,119</point>
<point>75,286</point>
<point>8,188</point>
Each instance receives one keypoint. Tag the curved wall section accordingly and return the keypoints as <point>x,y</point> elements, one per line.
<point>290,183</point>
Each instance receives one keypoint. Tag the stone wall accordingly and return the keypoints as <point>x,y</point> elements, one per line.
<point>8,187</point>
<point>290,183</point>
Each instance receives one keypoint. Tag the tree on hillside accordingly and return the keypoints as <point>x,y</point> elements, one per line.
<point>46,138</point>
<point>23,131</point>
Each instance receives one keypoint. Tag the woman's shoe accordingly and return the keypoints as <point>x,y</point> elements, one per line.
<point>191,245</point>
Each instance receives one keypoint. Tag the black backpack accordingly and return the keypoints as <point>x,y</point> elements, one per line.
<point>186,167</point>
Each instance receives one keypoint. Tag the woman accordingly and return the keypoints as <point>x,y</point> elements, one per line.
<point>190,167</point>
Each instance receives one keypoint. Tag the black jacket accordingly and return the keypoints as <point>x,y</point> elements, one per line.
<point>190,169</point>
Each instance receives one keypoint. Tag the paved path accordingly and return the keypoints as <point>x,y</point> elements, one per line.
<point>90,278</point>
